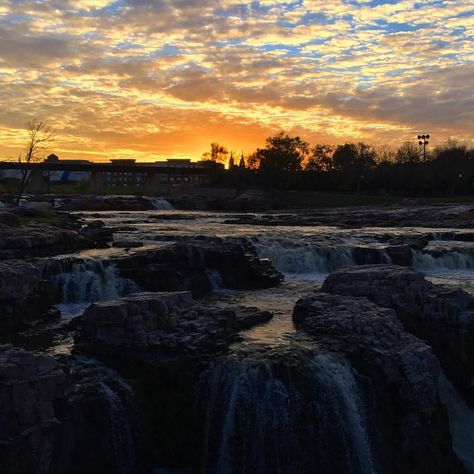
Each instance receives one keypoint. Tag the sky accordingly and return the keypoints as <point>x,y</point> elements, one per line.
<point>165,78</point>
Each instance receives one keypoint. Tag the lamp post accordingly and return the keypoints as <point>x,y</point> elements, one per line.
<point>423,141</point>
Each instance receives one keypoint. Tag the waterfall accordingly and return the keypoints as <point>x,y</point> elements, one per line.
<point>451,260</point>
<point>461,423</point>
<point>162,204</point>
<point>265,416</point>
<point>215,279</point>
<point>87,280</point>
<point>304,259</point>
<point>120,435</point>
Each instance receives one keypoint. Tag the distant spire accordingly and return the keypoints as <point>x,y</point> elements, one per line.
<point>231,161</point>
<point>242,160</point>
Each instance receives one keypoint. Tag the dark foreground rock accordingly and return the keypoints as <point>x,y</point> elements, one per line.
<point>164,341</point>
<point>198,265</point>
<point>400,373</point>
<point>24,297</point>
<point>444,317</point>
<point>60,418</point>
<point>152,330</point>
<point>36,233</point>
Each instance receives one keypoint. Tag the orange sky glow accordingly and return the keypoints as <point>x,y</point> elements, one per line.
<point>163,79</point>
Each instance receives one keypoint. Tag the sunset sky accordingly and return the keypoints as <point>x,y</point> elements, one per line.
<point>163,78</point>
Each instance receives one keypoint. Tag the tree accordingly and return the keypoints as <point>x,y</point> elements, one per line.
<point>218,153</point>
<point>231,161</point>
<point>320,159</point>
<point>353,161</point>
<point>242,161</point>
<point>39,137</point>
<point>282,153</point>
<point>408,153</point>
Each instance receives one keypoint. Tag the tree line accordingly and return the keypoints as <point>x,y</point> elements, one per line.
<point>290,162</point>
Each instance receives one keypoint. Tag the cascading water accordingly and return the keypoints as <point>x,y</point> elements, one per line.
<point>215,279</point>
<point>120,436</point>
<point>265,415</point>
<point>450,260</point>
<point>162,204</point>
<point>461,423</point>
<point>304,259</point>
<point>85,280</point>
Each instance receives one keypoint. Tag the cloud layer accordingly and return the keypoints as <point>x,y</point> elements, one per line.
<point>162,78</point>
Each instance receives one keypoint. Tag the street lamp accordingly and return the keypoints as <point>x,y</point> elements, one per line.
<point>423,141</point>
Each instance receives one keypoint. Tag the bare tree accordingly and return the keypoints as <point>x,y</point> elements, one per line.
<point>39,136</point>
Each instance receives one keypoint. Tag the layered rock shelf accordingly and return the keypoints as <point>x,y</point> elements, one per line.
<point>441,316</point>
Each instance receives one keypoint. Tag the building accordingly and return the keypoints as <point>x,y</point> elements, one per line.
<point>177,179</point>
<point>123,178</point>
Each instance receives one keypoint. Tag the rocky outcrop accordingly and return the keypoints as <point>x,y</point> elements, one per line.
<point>448,215</point>
<point>152,330</point>
<point>24,297</point>
<point>38,240</point>
<point>104,203</point>
<point>190,266</point>
<point>164,341</point>
<point>401,373</point>
<point>442,316</point>
<point>64,418</point>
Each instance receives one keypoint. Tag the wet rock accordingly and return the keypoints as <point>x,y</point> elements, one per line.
<point>367,255</point>
<point>411,431</point>
<point>105,203</point>
<point>63,418</point>
<point>38,240</point>
<point>151,330</point>
<point>186,266</point>
<point>9,218</point>
<point>442,316</point>
<point>127,244</point>
<point>24,297</point>
<point>400,255</point>
<point>252,200</point>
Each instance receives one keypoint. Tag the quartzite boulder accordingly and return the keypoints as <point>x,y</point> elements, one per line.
<point>64,418</point>
<point>189,266</point>
<point>151,330</point>
<point>412,433</point>
<point>444,317</point>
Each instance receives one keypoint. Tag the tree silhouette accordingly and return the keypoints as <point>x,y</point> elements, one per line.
<point>320,159</point>
<point>217,153</point>
<point>39,136</point>
<point>282,153</point>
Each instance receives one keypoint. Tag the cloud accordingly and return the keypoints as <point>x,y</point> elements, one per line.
<point>167,77</point>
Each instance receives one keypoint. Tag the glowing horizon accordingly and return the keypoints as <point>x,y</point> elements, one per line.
<point>162,79</point>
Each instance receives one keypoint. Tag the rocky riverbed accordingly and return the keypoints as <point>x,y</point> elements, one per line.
<point>157,340</point>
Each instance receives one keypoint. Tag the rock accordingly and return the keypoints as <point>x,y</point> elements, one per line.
<point>252,200</point>
<point>9,219</point>
<point>443,317</point>
<point>24,297</point>
<point>400,255</point>
<point>64,418</point>
<point>186,266</point>
<point>38,240</point>
<point>105,203</point>
<point>36,205</point>
<point>152,330</point>
<point>127,244</point>
<point>411,428</point>
<point>367,255</point>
